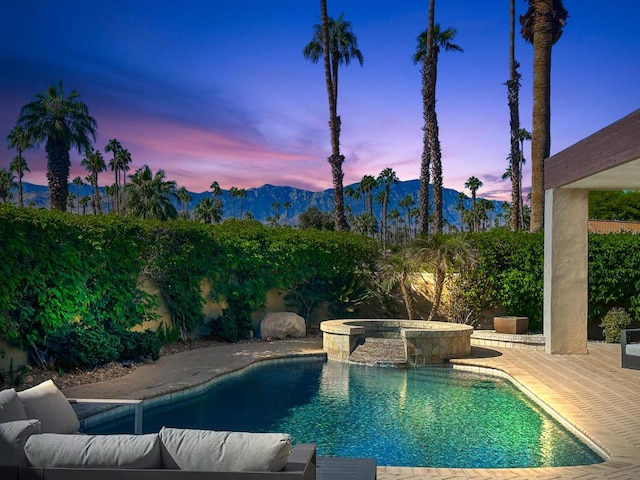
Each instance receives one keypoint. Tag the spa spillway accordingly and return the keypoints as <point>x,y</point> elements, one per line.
<point>424,342</point>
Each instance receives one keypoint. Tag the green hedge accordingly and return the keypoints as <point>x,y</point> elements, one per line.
<point>510,274</point>
<point>57,269</point>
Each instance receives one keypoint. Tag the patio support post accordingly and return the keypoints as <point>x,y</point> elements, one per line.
<point>565,270</point>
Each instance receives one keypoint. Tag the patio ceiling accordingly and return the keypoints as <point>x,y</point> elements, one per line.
<point>607,160</point>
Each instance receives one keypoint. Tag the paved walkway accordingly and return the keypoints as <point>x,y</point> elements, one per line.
<point>590,391</point>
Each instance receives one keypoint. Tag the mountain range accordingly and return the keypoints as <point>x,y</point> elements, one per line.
<point>259,201</point>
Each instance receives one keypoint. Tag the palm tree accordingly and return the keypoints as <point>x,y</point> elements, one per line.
<point>513,92</point>
<point>150,196</point>
<point>6,184</point>
<point>386,178</point>
<point>338,45</point>
<point>461,208</point>
<point>241,193</point>
<point>407,202</point>
<point>119,164</point>
<point>541,26</point>
<point>84,201</point>
<point>396,271</point>
<point>64,122</point>
<point>365,224</point>
<point>217,195</point>
<point>184,196</point>
<point>287,207</point>
<point>367,184</point>
<point>523,135</point>
<point>79,183</point>
<point>350,193</point>
<point>19,139</point>
<point>208,210</point>
<point>429,44</point>
<point>233,193</point>
<point>94,164</point>
<point>474,185</point>
<point>443,253</point>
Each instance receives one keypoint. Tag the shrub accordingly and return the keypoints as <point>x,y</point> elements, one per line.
<point>614,321</point>
<point>139,346</point>
<point>76,345</point>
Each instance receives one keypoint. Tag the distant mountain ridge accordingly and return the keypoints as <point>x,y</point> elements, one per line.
<point>259,200</point>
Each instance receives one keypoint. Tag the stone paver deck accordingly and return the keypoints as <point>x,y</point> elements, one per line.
<point>590,391</point>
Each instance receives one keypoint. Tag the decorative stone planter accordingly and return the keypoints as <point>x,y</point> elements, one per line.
<point>511,325</point>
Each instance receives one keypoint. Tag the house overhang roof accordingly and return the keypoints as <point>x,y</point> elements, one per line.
<point>606,160</point>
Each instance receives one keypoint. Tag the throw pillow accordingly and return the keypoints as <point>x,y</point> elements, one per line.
<point>13,436</point>
<point>11,408</point>
<point>49,405</point>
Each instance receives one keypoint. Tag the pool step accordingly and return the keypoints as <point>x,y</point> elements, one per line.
<point>387,352</point>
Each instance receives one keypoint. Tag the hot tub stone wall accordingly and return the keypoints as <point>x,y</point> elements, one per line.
<point>425,342</point>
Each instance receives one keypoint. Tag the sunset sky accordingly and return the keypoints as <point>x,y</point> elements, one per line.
<point>219,89</point>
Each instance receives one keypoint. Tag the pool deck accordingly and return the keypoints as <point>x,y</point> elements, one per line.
<point>592,392</point>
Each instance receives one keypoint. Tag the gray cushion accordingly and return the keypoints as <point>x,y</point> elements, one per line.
<point>224,451</point>
<point>11,408</point>
<point>48,404</point>
<point>13,436</point>
<point>113,451</point>
<point>633,349</point>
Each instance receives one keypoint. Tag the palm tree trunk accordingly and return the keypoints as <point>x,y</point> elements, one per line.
<point>541,135</point>
<point>335,160</point>
<point>408,303</point>
<point>58,164</point>
<point>439,287</point>
<point>513,86</point>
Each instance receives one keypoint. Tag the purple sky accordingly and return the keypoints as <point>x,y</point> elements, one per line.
<point>219,90</point>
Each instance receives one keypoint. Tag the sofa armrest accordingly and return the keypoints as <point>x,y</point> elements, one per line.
<point>137,404</point>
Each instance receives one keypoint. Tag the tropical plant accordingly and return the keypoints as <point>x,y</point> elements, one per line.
<point>287,207</point>
<point>79,183</point>
<point>367,185</point>
<point>19,139</point>
<point>208,210</point>
<point>150,196</point>
<point>338,45</point>
<point>396,271</point>
<point>461,208</point>
<point>119,164</point>
<point>515,155</point>
<point>365,224</point>
<point>429,44</point>
<point>542,26</point>
<point>185,197</point>
<point>473,184</point>
<point>64,122</point>
<point>94,164</point>
<point>314,218</point>
<point>523,135</point>
<point>6,184</point>
<point>442,253</point>
<point>386,178</point>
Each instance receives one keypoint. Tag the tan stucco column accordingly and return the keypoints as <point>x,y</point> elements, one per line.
<point>565,270</point>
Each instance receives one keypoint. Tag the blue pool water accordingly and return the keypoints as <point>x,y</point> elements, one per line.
<point>436,417</point>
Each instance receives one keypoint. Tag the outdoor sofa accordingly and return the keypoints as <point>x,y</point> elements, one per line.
<point>630,348</point>
<point>39,439</point>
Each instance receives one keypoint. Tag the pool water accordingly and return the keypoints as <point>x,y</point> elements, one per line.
<point>431,417</point>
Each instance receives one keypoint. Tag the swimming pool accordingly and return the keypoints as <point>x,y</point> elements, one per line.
<point>435,417</point>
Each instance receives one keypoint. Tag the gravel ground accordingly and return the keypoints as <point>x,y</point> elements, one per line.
<point>35,375</point>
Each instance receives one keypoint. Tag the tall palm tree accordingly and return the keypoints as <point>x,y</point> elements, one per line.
<point>473,184</point>
<point>523,135</point>
<point>19,166</point>
<point>541,26</point>
<point>64,122</point>
<point>79,183</point>
<point>94,164</point>
<point>6,184</point>
<point>513,92</point>
<point>184,196</point>
<point>335,41</point>
<point>84,201</point>
<point>367,184</point>
<point>407,202</point>
<point>150,196</point>
<point>19,139</point>
<point>443,253</point>
<point>233,193</point>
<point>386,178</point>
<point>287,207</point>
<point>461,208</point>
<point>208,210</point>
<point>241,193</point>
<point>115,147</point>
<point>430,42</point>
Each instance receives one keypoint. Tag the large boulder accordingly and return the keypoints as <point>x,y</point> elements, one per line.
<point>282,325</point>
